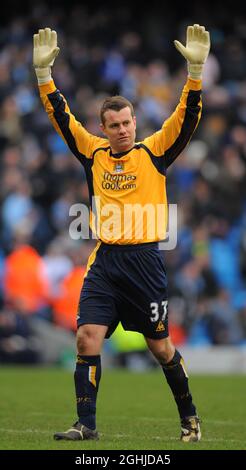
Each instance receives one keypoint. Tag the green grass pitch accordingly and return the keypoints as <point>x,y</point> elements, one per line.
<point>135,410</point>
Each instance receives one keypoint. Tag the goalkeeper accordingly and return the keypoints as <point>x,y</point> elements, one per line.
<point>125,279</point>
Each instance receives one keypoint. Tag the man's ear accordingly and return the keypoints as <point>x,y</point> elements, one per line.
<point>102,128</point>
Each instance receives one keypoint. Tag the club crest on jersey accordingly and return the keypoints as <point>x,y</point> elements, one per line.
<point>119,167</point>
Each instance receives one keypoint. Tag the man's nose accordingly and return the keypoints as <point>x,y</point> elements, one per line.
<point>122,129</point>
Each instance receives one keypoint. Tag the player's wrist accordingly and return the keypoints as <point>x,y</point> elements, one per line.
<point>43,74</point>
<point>195,70</point>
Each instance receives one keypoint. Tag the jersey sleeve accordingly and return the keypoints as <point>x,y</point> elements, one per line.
<point>178,129</point>
<point>81,143</point>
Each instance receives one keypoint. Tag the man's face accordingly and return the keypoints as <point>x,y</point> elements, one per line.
<point>120,129</point>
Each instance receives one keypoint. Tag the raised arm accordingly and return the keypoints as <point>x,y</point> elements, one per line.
<point>79,140</point>
<point>177,130</point>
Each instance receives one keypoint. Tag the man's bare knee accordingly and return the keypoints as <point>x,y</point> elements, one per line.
<point>90,339</point>
<point>84,339</point>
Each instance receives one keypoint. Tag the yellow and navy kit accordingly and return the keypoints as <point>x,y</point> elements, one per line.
<point>126,278</point>
<point>132,181</point>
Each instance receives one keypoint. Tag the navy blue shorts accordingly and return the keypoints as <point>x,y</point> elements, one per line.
<point>126,284</point>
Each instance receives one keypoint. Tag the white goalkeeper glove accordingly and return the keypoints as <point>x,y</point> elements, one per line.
<point>196,50</point>
<point>45,51</point>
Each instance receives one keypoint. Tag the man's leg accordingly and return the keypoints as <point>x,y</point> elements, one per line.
<point>173,367</point>
<point>86,377</point>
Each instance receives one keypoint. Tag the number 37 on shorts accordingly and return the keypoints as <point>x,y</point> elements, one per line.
<point>159,314</point>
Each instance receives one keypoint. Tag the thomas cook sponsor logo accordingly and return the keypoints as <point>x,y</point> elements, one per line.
<point>118,182</point>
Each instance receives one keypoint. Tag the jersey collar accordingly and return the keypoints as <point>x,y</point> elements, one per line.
<point>122,154</point>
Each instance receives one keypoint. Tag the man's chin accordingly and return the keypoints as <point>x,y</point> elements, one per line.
<point>124,145</point>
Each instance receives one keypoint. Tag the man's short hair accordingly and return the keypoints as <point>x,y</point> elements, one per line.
<point>116,103</point>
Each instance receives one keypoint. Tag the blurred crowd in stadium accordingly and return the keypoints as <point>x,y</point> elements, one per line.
<point>105,52</point>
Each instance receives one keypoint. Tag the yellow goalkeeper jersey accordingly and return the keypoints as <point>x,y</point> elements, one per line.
<point>128,202</point>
